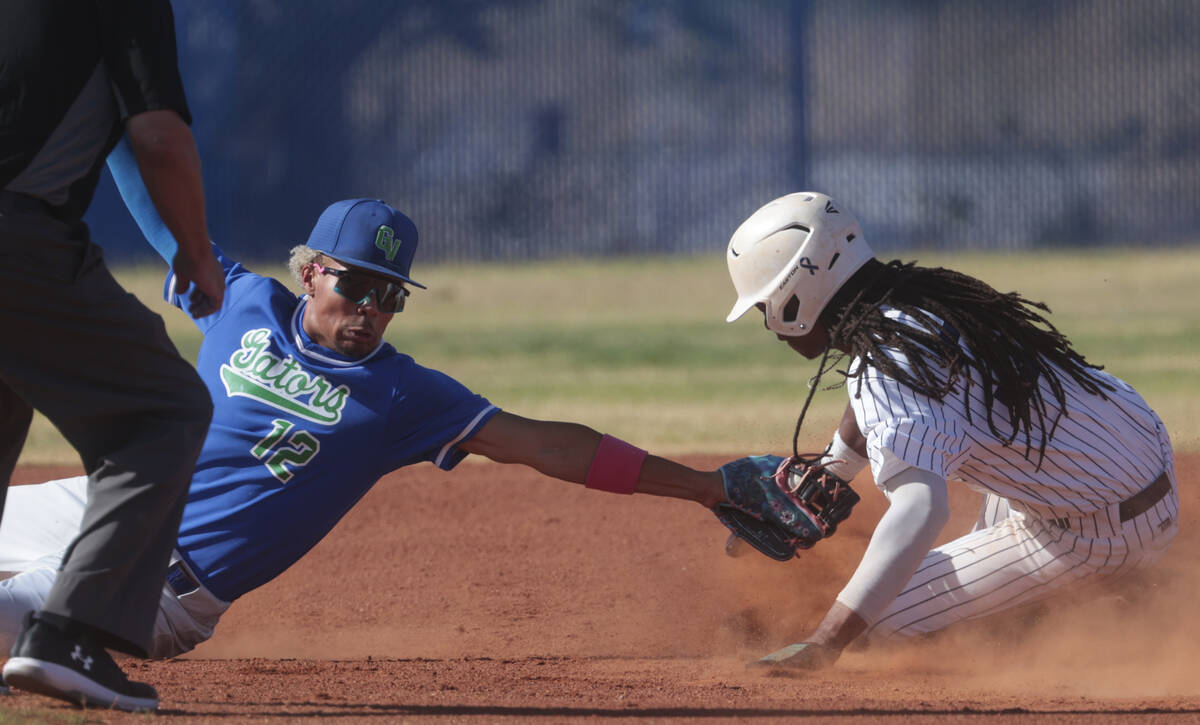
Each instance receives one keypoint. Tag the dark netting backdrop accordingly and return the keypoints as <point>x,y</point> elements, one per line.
<point>530,129</point>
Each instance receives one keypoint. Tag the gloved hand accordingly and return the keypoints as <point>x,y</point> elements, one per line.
<point>780,505</point>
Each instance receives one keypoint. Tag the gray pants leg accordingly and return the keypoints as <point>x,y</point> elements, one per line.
<point>99,365</point>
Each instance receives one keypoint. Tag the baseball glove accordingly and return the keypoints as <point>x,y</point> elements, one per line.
<point>779,505</point>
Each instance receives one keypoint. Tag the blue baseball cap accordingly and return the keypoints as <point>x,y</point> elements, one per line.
<point>367,233</point>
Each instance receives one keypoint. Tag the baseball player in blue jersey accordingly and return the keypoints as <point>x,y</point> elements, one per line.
<point>311,408</point>
<point>949,379</point>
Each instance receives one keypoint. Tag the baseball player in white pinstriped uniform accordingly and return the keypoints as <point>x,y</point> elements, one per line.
<point>949,379</point>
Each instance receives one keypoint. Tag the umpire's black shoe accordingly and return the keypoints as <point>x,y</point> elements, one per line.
<point>72,668</point>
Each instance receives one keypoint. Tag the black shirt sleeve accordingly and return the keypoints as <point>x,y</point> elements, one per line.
<point>138,46</point>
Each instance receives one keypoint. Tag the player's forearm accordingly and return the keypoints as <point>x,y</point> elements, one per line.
<point>569,452</point>
<point>839,628</point>
<point>577,453</point>
<point>170,168</point>
<point>662,477</point>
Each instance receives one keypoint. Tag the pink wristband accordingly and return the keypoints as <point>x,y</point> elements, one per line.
<point>615,467</point>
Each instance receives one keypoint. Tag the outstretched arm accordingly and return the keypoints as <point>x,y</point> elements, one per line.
<point>919,508</point>
<point>567,451</point>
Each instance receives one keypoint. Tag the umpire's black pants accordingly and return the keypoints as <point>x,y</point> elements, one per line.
<point>99,365</point>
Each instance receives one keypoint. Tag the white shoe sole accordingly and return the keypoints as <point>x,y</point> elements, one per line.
<point>47,678</point>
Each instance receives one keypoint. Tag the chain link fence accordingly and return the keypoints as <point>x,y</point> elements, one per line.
<point>527,129</point>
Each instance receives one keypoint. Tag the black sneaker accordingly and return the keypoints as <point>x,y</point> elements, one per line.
<point>72,668</point>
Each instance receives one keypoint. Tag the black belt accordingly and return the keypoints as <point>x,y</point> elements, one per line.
<point>181,580</point>
<point>1137,504</point>
<point>1140,502</point>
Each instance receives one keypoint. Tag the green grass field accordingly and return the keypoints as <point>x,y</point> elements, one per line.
<point>639,347</point>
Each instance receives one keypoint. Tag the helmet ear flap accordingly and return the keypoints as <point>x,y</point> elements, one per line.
<point>790,310</point>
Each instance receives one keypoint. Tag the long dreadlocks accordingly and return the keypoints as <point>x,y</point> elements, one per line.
<point>1011,345</point>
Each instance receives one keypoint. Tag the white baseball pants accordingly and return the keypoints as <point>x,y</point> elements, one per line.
<point>39,523</point>
<point>1011,558</point>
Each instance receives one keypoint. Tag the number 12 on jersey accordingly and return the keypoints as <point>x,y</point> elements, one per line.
<point>300,448</point>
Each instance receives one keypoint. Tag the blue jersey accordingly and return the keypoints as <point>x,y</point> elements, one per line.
<point>300,433</point>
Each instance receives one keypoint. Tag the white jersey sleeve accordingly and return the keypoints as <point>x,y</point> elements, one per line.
<point>904,428</point>
<point>918,509</point>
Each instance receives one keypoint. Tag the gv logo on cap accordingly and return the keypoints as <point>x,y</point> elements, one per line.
<point>386,240</point>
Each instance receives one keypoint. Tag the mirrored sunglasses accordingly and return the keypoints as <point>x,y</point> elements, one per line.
<point>359,286</point>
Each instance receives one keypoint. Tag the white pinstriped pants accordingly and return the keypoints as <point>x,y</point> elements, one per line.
<point>1011,558</point>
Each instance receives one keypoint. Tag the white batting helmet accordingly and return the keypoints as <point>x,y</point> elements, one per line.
<point>792,255</point>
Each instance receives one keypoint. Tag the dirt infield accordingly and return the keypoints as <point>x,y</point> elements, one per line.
<point>491,594</point>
